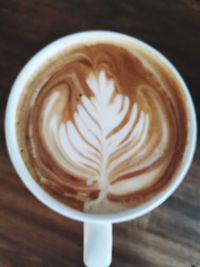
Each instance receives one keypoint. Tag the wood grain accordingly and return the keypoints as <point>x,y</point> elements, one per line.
<point>32,235</point>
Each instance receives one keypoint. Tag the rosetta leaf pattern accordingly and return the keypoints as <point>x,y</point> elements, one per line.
<point>106,133</point>
<point>90,137</point>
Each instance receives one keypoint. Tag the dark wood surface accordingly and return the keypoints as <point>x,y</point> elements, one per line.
<point>32,235</point>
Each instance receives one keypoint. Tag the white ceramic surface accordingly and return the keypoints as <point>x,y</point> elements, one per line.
<point>97,229</point>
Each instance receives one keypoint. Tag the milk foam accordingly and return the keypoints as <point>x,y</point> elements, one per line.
<point>86,147</point>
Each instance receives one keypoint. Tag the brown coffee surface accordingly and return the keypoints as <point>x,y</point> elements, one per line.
<point>102,128</point>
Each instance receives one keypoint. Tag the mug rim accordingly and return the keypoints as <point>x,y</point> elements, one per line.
<point>14,152</point>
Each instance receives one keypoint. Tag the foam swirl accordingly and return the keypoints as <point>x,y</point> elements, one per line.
<point>97,145</point>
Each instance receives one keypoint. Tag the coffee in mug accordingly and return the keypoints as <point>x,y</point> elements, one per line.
<point>102,126</point>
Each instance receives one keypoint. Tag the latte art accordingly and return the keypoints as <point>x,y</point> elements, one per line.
<point>101,136</point>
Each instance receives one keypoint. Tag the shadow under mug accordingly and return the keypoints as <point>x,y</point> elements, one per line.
<point>97,227</point>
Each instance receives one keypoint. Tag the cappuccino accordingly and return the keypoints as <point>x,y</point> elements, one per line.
<point>102,127</point>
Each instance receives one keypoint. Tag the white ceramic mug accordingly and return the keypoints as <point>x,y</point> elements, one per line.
<point>97,227</point>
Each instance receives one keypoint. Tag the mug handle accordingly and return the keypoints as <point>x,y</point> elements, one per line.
<point>97,244</point>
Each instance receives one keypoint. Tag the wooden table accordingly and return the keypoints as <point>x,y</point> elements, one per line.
<point>32,235</point>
